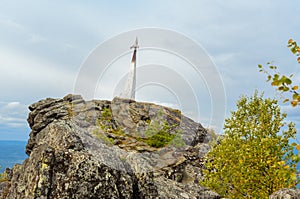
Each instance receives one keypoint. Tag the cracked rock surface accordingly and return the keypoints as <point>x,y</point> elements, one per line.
<point>101,149</point>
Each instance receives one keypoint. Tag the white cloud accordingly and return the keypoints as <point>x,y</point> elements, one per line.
<point>43,45</point>
<point>11,24</point>
<point>12,105</point>
<point>13,114</point>
<point>21,73</point>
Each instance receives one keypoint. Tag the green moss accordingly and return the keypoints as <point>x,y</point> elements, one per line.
<point>106,114</point>
<point>108,127</point>
<point>177,141</point>
<point>106,123</point>
<point>160,139</point>
<point>158,134</point>
<point>111,140</point>
<point>148,120</point>
<point>101,136</point>
<point>152,129</point>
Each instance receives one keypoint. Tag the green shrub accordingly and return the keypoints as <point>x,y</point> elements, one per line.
<point>152,129</point>
<point>255,157</point>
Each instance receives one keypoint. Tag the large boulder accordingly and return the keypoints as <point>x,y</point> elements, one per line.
<point>109,149</point>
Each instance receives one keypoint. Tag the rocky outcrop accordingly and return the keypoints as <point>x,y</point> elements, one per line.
<point>286,194</point>
<point>109,149</point>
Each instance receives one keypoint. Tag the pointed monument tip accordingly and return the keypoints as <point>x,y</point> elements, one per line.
<point>135,45</point>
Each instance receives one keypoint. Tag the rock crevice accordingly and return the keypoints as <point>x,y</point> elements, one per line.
<point>109,149</point>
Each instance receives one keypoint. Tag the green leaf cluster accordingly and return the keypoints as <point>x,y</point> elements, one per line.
<point>293,46</point>
<point>255,157</point>
<point>284,83</point>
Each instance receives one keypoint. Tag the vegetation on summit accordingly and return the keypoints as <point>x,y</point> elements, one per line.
<point>158,133</point>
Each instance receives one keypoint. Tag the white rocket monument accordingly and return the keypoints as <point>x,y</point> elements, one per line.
<point>129,90</point>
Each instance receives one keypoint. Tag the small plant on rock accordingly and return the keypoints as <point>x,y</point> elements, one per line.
<point>160,135</point>
<point>3,177</point>
<point>101,136</point>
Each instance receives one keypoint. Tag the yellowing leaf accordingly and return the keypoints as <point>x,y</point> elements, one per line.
<point>290,41</point>
<point>286,100</point>
<point>294,103</point>
<point>284,115</point>
<point>298,147</point>
<point>286,166</point>
<point>281,163</point>
<point>295,88</point>
<point>293,176</point>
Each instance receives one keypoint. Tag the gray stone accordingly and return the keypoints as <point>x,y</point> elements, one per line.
<point>286,194</point>
<point>76,151</point>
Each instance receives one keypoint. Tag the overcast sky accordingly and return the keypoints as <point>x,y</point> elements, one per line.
<point>45,44</point>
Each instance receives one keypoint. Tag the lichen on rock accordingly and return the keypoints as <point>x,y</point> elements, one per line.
<point>101,149</point>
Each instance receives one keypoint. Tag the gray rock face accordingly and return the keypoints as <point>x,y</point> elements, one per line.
<point>286,194</point>
<point>109,149</point>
